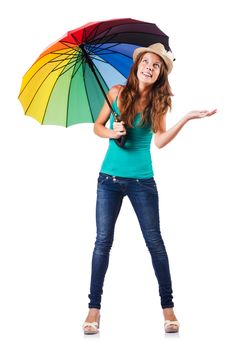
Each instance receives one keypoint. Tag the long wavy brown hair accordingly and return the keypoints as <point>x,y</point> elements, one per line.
<point>158,100</point>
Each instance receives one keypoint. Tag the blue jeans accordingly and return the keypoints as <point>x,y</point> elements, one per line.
<point>143,196</point>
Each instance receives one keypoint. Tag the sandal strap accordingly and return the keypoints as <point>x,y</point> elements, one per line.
<point>91,324</point>
<point>171,323</point>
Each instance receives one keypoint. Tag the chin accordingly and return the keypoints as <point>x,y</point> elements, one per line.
<point>147,82</point>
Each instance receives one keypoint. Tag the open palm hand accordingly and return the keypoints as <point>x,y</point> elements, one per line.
<point>200,114</point>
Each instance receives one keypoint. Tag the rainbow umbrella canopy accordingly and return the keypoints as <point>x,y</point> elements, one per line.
<point>69,81</point>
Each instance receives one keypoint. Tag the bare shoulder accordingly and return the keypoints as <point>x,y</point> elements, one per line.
<point>114,91</point>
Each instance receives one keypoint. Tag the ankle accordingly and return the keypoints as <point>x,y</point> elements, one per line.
<point>94,312</point>
<point>169,314</point>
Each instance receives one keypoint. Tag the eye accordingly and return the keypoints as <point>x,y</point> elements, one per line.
<point>156,65</point>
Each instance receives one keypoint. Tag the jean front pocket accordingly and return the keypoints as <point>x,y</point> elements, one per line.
<point>102,178</point>
<point>148,184</point>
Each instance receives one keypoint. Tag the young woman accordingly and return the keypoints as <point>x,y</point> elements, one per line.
<point>142,105</point>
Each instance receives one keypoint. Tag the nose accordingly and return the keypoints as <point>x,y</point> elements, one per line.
<point>149,67</point>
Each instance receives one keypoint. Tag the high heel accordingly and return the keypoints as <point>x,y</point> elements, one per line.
<point>94,325</point>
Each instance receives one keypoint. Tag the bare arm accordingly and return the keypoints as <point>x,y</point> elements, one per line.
<point>163,136</point>
<point>99,126</point>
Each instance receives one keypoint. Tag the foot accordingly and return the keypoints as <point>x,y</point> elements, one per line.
<point>171,323</point>
<point>93,316</point>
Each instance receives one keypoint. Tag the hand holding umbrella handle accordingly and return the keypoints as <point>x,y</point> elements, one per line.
<point>121,140</point>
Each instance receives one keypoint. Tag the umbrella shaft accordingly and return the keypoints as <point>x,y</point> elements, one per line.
<point>88,60</point>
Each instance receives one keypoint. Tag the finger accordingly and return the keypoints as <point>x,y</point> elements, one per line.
<point>212,112</point>
<point>119,130</point>
<point>115,124</point>
<point>118,127</point>
<point>121,127</point>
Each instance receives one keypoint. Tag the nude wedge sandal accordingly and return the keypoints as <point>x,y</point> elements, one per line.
<point>94,325</point>
<point>171,326</point>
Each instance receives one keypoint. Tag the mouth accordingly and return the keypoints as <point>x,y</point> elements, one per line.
<point>147,75</point>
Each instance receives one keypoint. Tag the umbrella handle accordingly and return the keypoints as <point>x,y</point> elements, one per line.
<point>121,141</point>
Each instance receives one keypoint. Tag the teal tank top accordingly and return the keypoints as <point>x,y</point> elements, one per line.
<point>134,159</point>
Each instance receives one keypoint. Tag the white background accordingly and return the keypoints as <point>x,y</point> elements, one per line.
<point>48,190</point>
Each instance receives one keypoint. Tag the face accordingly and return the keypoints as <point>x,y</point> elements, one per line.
<point>149,68</point>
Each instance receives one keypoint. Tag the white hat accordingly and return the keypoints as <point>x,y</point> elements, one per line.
<point>160,50</point>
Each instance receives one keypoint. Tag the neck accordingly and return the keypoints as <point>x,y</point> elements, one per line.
<point>143,89</point>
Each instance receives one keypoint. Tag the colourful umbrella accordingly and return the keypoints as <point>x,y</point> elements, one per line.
<point>69,81</point>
